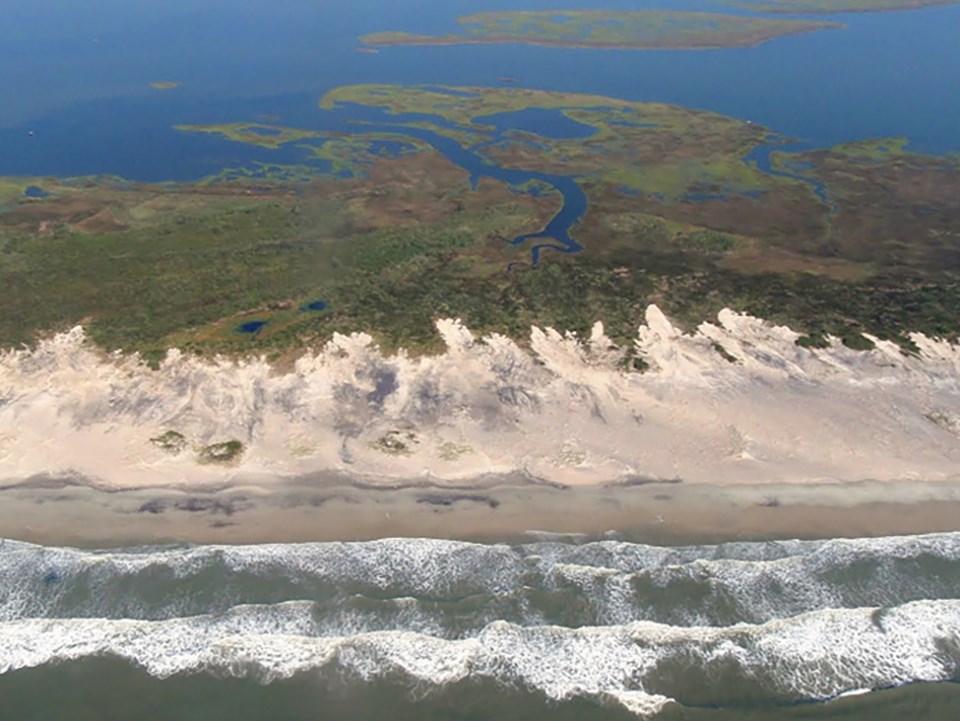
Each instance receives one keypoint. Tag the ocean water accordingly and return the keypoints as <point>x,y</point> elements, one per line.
<point>419,628</point>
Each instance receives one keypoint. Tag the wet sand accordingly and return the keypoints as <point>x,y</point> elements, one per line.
<point>335,509</point>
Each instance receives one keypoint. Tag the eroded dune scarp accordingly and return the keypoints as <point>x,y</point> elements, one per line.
<point>737,401</point>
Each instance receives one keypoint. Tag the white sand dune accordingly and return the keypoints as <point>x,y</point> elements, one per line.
<point>564,411</point>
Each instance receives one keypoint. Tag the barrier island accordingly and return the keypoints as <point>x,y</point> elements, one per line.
<point>633,30</point>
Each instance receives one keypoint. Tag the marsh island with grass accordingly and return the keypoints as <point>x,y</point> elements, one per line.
<point>599,29</point>
<point>833,6</point>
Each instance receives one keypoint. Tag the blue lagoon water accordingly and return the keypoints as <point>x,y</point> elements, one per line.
<point>252,326</point>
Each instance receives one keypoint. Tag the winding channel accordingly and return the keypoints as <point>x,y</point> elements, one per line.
<point>761,157</point>
<point>556,234</point>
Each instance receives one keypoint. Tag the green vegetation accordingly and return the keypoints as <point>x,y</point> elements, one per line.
<point>170,441</point>
<point>878,150</point>
<point>396,241</point>
<point>193,271</point>
<point>640,29</point>
<point>708,242</point>
<point>185,267</point>
<point>833,6</point>
<point>222,453</point>
<point>857,341</point>
<point>349,154</point>
<point>651,148</point>
<point>724,353</point>
<point>12,189</point>
<point>266,136</point>
<point>813,340</point>
<point>450,451</point>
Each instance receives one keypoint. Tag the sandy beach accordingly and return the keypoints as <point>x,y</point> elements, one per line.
<point>734,416</point>
<point>504,509</point>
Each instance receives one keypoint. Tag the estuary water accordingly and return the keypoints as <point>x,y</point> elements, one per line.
<point>557,627</point>
<point>76,75</point>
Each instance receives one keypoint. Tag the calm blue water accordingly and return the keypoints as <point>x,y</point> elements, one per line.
<point>252,326</point>
<point>761,157</point>
<point>544,122</point>
<point>77,72</point>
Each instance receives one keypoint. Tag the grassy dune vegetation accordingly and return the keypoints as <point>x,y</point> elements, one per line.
<point>638,30</point>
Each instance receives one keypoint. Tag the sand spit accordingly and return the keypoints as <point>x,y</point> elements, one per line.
<point>564,412</point>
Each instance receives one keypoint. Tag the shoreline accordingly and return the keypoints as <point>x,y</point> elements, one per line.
<point>311,510</point>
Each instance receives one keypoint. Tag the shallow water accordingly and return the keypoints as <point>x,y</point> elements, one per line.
<point>447,629</point>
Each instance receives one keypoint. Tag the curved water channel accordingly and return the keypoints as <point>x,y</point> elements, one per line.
<point>761,157</point>
<point>555,235</point>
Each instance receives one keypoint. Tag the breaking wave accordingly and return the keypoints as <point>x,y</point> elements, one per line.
<point>642,626</point>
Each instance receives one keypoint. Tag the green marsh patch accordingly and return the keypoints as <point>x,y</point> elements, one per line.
<point>638,30</point>
<point>833,6</point>
<point>266,136</point>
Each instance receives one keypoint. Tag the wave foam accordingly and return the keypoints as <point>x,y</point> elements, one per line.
<point>451,588</point>
<point>784,660</point>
